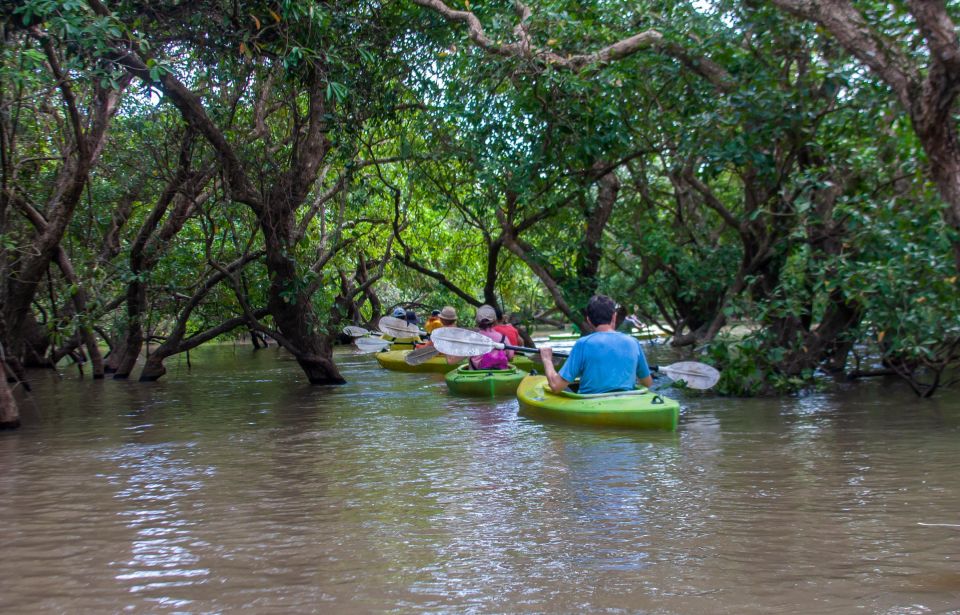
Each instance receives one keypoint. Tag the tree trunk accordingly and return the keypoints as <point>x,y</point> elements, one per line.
<point>289,305</point>
<point>943,154</point>
<point>153,368</point>
<point>80,159</point>
<point>133,342</point>
<point>292,311</point>
<point>9,411</point>
<point>80,306</point>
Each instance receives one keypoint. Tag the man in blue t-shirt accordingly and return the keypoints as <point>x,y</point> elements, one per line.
<point>605,360</point>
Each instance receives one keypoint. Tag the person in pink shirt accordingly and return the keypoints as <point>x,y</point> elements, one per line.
<point>495,359</point>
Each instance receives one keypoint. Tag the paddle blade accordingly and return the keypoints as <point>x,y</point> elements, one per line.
<point>461,342</point>
<point>371,344</point>
<point>696,375</point>
<point>421,355</point>
<point>397,327</point>
<point>353,331</point>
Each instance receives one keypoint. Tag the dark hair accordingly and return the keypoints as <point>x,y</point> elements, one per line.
<point>600,310</point>
<point>435,313</point>
<point>411,317</point>
<point>498,312</point>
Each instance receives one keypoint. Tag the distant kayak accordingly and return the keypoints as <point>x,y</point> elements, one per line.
<point>395,360</point>
<point>407,343</point>
<point>484,382</point>
<point>523,362</point>
<point>639,409</point>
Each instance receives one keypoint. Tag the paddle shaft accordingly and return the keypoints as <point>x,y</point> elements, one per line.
<point>527,349</point>
<point>564,355</point>
<point>462,342</point>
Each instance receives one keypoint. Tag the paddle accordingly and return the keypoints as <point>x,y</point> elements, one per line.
<point>421,355</point>
<point>397,327</point>
<point>695,374</point>
<point>371,344</point>
<point>353,331</point>
<point>465,343</point>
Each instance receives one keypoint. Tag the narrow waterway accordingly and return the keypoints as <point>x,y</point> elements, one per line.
<point>236,485</point>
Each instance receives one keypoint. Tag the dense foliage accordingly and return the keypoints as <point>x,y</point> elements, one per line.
<point>782,196</point>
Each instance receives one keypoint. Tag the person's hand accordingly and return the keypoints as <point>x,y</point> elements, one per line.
<point>546,354</point>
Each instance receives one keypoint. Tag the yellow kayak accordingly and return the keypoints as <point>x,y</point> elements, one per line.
<point>394,360</point>
<point>639,409</point>
<point>402,343</point>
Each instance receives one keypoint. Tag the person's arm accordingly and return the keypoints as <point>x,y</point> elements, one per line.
<point>644,376</point>
<point>556,382</point>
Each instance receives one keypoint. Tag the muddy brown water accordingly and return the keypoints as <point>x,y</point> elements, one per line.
<point>236,485</point>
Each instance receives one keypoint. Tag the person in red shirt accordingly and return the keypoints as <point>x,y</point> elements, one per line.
<point>513,336</point>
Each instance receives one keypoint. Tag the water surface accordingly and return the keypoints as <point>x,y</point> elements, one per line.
<point>236,485</point>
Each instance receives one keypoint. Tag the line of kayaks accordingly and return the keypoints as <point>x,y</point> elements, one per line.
<point>639,409</point>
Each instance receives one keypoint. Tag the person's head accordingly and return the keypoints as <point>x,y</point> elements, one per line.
<point>486,316</point>
<point>435,313</point>
<point>448,316</point>
<point>399,312</point>
<point>600,310</point>
<point>411,317</point>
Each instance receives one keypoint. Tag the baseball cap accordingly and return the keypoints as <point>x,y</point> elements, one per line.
<point>485,312</point>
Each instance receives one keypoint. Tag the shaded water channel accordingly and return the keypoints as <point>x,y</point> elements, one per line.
<point>237,485</point>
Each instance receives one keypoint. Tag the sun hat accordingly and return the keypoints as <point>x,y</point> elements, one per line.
<point>399,312</point>
<point>485,312</point>
<point>448,313</point>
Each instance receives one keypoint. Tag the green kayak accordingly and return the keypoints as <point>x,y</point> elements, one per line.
<point>640,409</point>
<point>523,362</point>
<point>484,382</point>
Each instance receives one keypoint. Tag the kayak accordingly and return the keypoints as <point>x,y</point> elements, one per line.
<point>402,345</point>
<point>648,333</point>
<point>564,336</point>
<point>523,362</point>
<point>394,359</point>
<point>640,409</point>
<point>405,343</point>
<point>484,382</point>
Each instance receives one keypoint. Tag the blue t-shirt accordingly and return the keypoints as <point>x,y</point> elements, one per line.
<point>605,361</point>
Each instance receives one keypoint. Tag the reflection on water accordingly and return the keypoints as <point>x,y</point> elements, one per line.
<point>236,485</point>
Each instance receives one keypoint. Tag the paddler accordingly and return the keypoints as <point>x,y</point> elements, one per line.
<point>433,322</point>
<point>505,327</point>
<point>447,317</point>
<point>604,360</point>
<point>495,359</point>
<point>409,316</point>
